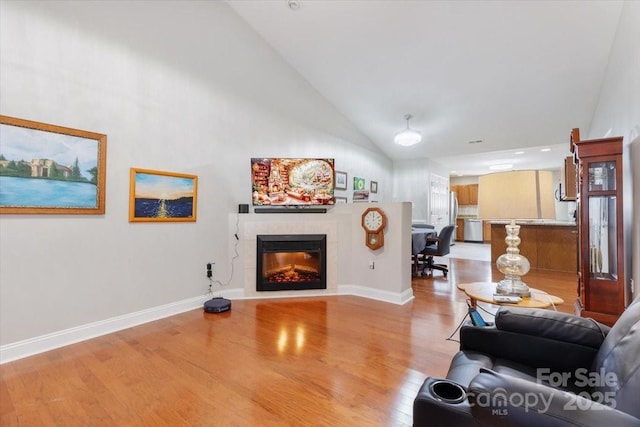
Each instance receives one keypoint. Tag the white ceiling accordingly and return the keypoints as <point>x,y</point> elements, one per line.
<point>517,75</point>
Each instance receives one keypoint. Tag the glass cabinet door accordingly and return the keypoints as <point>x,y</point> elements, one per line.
<point>603,259</point>
<point>602,176</point>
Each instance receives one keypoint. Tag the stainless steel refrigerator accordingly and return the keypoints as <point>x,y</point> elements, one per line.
<point>453,213</point>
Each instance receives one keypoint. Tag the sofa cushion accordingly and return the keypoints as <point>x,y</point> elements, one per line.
<point>552,325</point>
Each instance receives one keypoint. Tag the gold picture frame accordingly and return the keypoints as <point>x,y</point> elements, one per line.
<point>158,196</point>
<point>50,169</point>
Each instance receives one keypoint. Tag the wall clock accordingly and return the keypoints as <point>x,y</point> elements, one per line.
<point>374,221</point>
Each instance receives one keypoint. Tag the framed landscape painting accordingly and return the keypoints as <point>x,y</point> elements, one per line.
<point>49,169</point>
<point>156,196</point>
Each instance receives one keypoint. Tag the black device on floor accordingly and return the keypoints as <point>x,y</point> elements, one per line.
<point>217,305</point>
<point>476,319</point>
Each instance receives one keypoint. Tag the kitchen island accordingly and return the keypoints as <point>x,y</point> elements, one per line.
<point>549,245</point>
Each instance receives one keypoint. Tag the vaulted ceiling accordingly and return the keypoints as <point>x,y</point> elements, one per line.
<point>515,75</point>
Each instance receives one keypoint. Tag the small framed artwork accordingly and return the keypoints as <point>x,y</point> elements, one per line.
<point>156,196</point>
<point>358,184</point>
<point>341,180</point>
<point>374,187</point>
<point>340,200</point>
<point>360,196</point>
<point>49,169</point>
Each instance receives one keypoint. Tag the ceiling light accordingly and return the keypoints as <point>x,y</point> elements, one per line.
<point>546,149</point>
<point>519,152</point>
<point>501,167</point>
<point>407,136</point>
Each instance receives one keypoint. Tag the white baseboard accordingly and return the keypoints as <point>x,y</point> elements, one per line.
<point>31,346</point>
<point>377,294</point>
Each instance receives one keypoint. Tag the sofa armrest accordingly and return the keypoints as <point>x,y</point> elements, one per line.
<point>552,325</point>
<point>533,351</point>
<point>502,400</point>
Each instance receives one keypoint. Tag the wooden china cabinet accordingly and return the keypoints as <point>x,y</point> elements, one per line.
<point>600,227</point>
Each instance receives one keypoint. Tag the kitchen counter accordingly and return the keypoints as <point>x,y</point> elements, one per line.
<point>536,222</point>
<point>549,245</point>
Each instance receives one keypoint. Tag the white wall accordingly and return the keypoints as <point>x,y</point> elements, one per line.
<point>412,181</point>
<point>184,89</point>
<point>618,113</point>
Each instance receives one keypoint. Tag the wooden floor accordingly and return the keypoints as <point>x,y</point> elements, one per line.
<point>330,361</point>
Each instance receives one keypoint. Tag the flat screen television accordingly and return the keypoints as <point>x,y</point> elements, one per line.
<point>292,182</point>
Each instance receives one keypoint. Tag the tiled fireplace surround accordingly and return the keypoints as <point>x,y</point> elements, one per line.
<point>348,259</point>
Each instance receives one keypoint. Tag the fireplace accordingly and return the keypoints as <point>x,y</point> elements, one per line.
<point>291,262</point>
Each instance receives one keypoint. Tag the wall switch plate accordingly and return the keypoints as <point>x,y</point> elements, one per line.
<point>372,264</point>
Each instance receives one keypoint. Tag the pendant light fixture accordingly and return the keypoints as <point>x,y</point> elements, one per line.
<point>408,136</point>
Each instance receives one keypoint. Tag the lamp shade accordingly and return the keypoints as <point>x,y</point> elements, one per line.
<point>526,194</point>
<point>407,137</point>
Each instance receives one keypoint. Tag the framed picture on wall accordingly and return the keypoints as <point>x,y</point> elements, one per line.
<point>360,196</point>
<point>49,169</point>
<point>341,180</point>
<point>340,200</point>
<point>156,196</point>
<point>374,187</point>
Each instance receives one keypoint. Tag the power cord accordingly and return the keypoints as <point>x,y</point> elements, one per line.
<point>450,337</point>
<point>235,256</point>
<point>485,310</point>
<point>544,294</point>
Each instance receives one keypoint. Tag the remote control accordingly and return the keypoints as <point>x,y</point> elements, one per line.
<point>506,299</point>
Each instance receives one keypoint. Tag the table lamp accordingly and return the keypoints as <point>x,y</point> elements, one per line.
<point>515,195</point>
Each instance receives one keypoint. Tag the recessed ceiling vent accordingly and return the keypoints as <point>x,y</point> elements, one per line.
<point>476,141</point>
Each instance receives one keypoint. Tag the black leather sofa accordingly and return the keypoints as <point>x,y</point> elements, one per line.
<point>539,368</point>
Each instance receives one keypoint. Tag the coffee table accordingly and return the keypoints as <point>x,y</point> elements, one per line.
<point>483,291</point>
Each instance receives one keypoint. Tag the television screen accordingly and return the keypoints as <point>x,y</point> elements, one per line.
<point>286,182</point>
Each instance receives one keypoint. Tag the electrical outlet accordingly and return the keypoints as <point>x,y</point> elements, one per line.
<point>209,271</point>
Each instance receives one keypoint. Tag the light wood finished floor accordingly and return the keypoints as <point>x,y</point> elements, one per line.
<point>330,361</point>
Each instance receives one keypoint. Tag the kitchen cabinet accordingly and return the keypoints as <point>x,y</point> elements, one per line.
<point>473,194</point>
<point>567,189</point>
<point>486,231</point>
<point>467,194</point>
<point>463,195</point>
<point>601,279</point>
<point>460,229</point>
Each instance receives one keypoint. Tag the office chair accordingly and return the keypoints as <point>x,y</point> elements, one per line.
<point>437,246</point>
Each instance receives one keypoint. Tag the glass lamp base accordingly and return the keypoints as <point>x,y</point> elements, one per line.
<point>509,287</point>
<point>513,265</point>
